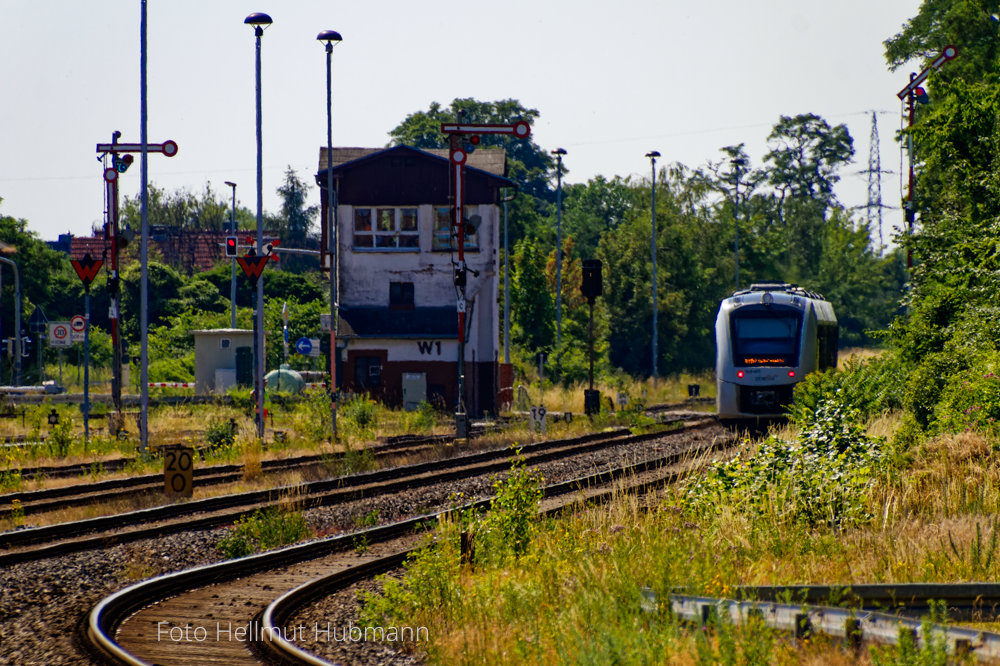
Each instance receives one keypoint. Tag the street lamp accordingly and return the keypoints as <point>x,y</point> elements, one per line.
<point>738,164</point>
<point>232,280</point>
<point>259,21</point>
<point>652,155</point>
<point>331,38</point>
<point>558,152</point>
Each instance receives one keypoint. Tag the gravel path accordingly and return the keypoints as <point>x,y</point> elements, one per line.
<point>41,603</point>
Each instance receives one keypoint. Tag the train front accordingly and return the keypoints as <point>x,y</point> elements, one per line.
<point>761,341</point>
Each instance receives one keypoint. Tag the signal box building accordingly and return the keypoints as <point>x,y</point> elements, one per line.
<point>397,252</point>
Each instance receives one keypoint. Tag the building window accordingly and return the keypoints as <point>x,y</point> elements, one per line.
<point>367,372</point>
<point>386,229</point>
<point>443,230</point>
<point>224,343</point>
<point>401,295</point>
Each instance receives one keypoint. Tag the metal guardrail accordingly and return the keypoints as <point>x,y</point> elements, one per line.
<point>851,624</point>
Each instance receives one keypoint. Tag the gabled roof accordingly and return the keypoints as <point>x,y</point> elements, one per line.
<point>490,160</point>
<point>402,176</point>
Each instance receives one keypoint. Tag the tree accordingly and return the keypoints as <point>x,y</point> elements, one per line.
<point>532,307</point>
<point>295,221</point>
<point>598,207</point>
<point>180,209</point>
<point>528,165</point>
<point>970,25</point>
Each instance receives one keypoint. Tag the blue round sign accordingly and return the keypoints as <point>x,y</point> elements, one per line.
<point>303,346</point>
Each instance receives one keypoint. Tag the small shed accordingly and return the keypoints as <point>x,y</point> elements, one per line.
<point>218,355</point>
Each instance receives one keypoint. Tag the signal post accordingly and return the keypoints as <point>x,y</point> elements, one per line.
<point>122,156</point>
<point>458,155</point>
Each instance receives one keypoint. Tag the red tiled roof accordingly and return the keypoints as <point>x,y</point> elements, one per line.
<point>189,251</point>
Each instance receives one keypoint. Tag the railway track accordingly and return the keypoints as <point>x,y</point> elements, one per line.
<point>40,542</point>
<point>122,464</point>
<point>111,490</point>
<point>202,609</point>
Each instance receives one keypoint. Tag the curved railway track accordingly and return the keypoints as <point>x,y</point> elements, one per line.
<point>39,542</point>
<point>203,608</point>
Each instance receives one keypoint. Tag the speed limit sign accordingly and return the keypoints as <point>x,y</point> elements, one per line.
<point>59,334</point>
<point>178,471</point>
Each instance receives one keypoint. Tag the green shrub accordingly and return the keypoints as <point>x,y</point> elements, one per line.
<point>360,411</point>
<point>970,399</point>
<point>821,478</point>
<point>265,529</point>
<point>508,526</point>
<point>221,434</point>
<point>870,387</point>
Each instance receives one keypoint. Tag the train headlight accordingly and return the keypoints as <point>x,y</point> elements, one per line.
<point>739,374</point>
<point>791,373</point>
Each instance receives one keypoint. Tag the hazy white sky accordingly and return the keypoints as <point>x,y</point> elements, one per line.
<point>612,81</point>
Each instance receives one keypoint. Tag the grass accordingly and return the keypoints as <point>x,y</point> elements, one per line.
<point>574,595</point>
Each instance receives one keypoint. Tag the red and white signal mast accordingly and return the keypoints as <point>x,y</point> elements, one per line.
<point>121,159</point>
<point>458,134</point>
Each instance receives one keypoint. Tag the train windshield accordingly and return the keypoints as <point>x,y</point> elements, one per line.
<point>766,337</point>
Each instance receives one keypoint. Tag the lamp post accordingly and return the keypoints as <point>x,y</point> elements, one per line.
<point>558,152</point>
<point>18,344</point>
<point>652,155</point>
<point>143,238</point>
<point>259,21</point>
<point>331,39</point>
<point>232,280</point>
<point>738,164</point>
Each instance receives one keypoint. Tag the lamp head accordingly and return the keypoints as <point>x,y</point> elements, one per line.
<point>259,20</point>
<point>559,152</point>
<point>230,184</point>
<point>653,154</point>
<point>330,36</point>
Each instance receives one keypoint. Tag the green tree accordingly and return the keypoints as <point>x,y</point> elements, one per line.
<point>970,25</point>
<point>295,221</point>
<point>181,209</point>
<point>527,163</point>
<point>532,306</point>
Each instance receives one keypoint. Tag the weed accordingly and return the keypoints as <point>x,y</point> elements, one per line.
<point>221,434</point>
<point>509,524</point>
<point>16,513</point>
<point>10,480</point>
<point>263,530</point>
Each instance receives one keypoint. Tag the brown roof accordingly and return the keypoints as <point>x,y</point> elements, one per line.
<point>188,250</point>
<point>492,160</point>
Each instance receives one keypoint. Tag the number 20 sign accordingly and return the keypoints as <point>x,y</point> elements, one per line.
<point>178,471</point>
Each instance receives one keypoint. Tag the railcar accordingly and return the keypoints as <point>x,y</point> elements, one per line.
<point>768,338</point>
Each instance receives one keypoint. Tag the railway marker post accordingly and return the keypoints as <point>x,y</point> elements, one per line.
<point>178,471</point>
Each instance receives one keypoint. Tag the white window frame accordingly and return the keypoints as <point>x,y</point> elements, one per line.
<point>389,229</point>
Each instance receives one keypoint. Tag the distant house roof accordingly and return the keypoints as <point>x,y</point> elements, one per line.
<point>492,160</point>
<point>188,250</point>
<point>403,175</point>
<point>367,322</point>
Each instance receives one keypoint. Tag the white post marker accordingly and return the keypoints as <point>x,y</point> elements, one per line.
<point>538,418</point>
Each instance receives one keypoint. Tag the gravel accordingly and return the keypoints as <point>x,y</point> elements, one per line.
<point>42,602</point>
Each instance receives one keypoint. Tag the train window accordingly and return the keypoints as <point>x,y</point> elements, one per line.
<point>766,338</point>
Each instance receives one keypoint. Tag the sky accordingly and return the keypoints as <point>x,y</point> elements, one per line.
<point>612,81</point>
